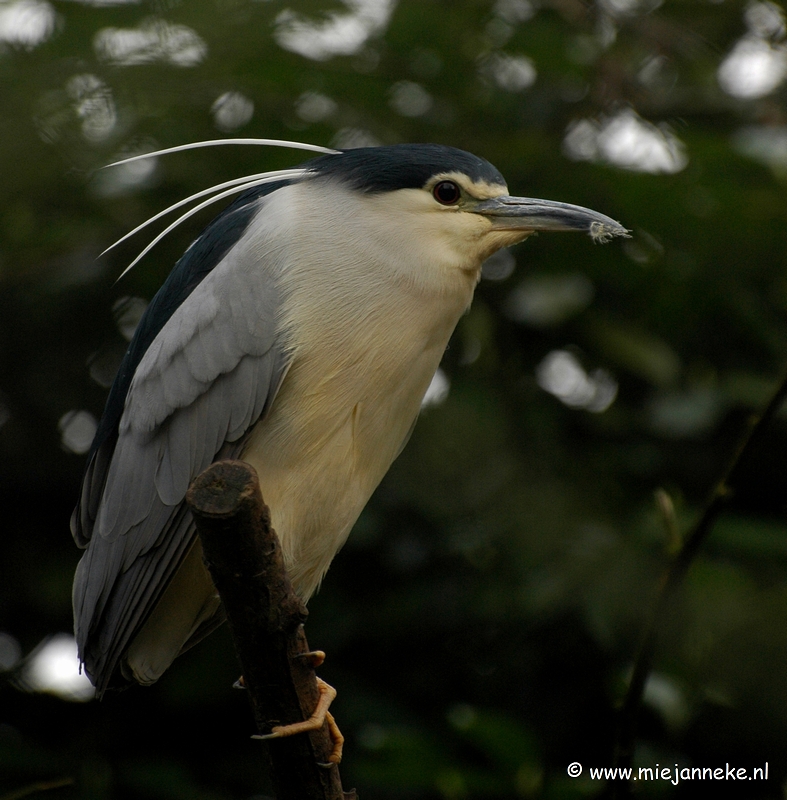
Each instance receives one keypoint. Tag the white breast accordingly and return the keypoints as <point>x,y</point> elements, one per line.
<point>367,332</point>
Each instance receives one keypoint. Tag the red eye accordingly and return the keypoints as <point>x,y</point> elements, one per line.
<point>447,193</point>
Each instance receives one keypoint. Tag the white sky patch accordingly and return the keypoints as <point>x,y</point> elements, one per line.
<point>438,390</point>
<point>94,106</point>
<point>765,19</point>
<point>77,429</point>
<point>54,669</point>
<point>27,23</point>
<point>629,7</point>
<point>514,11</point>
<point>510,73</point>
<point>498,266</point>
<point>561,374</point>
<point>668,698</point>
<point>507,15</point>
<point>128,312</point>
<point>231,111</point>
<point>10,651</point>
<point>757,64</point>
<point>545,300</point>
<point>341,34</point>
<point>125,178</point>
<point>315,107</point>
<point>410,99</point>
<point>753,69</point>
<point>349,138</point>
<point>766,144</point>
<point>652,69</point>
<point>155,40</point>
<point>626,140</point>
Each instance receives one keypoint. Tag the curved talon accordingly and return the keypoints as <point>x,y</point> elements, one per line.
<point>315,722</point>
<point>338,741</point>
<point>314,657</point>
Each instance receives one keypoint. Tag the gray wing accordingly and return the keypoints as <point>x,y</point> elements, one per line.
<point>208,376</point>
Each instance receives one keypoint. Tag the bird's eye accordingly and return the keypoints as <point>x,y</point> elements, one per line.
<point>447,193</point>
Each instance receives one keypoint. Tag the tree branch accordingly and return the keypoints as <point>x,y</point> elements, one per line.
<point>265,617</point>
<point>675,573</point>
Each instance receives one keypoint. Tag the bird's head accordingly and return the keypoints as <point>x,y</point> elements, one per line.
<point>444,204</point>
<point>419,203</point>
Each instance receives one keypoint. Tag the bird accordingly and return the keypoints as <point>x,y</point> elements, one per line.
<point>299,332</point>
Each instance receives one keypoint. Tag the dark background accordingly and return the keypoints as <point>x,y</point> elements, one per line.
<point>482,620</point>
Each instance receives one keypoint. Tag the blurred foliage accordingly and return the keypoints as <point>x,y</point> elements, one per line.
<point>482,619</point>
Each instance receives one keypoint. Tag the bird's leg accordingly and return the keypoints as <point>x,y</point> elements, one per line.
<point>319,716</point>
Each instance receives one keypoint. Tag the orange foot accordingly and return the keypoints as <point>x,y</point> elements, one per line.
<point>317,719</point>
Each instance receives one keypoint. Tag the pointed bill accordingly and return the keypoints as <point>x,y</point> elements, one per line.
<point>526,214</point>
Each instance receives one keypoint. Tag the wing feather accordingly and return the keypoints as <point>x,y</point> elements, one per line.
<point>209,374</point>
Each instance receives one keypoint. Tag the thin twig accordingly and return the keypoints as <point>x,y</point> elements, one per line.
<point>674,575</point>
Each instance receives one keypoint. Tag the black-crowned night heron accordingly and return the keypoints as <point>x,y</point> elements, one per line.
<point>299,332</point>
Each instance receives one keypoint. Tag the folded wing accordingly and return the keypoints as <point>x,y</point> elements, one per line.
<point>203,377</point>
